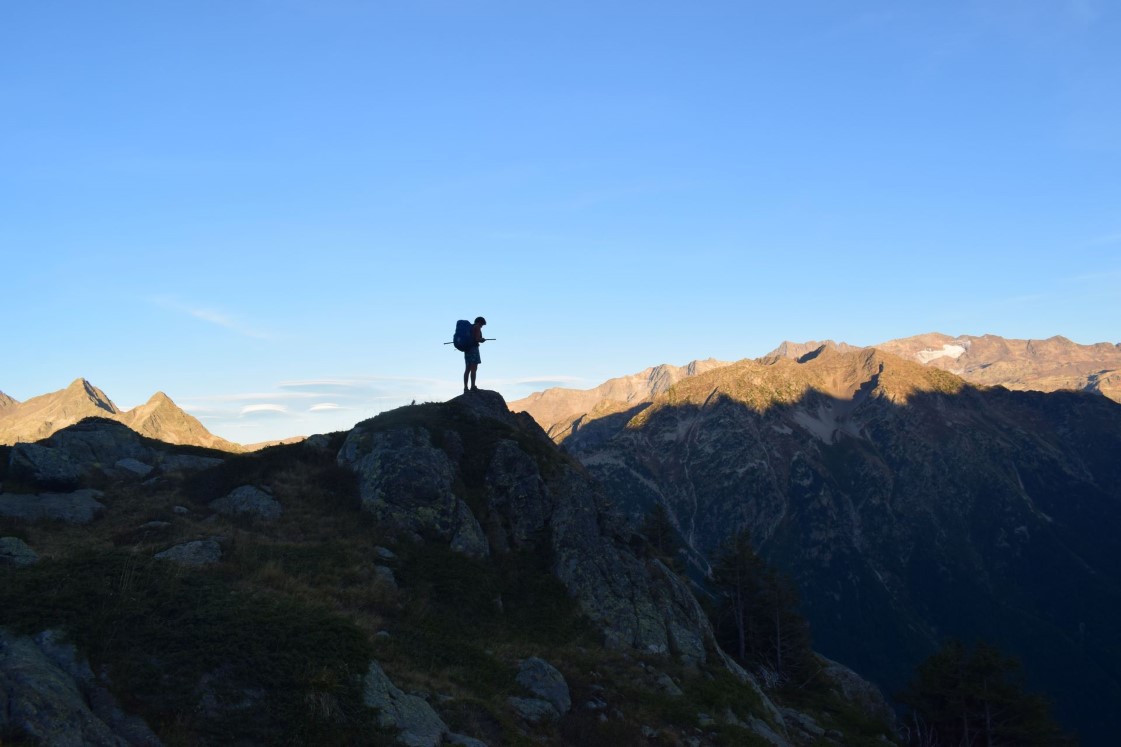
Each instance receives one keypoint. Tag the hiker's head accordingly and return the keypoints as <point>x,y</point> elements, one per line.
<point>479,321</point>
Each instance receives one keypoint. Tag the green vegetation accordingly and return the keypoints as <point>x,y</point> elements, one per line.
<point>196,655</point>
<point>756,616</point>
<point>976,696</point>
<point>756,619</point>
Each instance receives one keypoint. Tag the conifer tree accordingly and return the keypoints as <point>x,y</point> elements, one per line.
<point>757,617</point>
<point>976,698</point>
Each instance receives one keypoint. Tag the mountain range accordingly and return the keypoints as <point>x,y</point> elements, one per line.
<point>907,503</point>
<point>159,418</point>
<point>1040,365</point>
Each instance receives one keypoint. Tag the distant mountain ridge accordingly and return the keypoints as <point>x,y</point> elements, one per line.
<point>1048,365</point>
<point>159,418</point>
<point>561,410</point>
<point>1037,365</point>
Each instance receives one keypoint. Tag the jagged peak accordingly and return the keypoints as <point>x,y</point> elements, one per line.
<point>81,387</point>
<point>159,398</point>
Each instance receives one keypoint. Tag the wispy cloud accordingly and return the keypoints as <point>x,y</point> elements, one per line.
<point>263,408</point>
<point>212,316</point>
<point>548,381</point>
<point>313,405</point>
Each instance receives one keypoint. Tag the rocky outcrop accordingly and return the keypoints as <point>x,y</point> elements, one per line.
<point>248,500</point>
<point>14,551</point>
<point>544,681</point>
<point>412,477</point>
<point>195,552</point>
<point>49,695</point>
<point>44,465</point>
<point>97,446</point>
<point>78,507</point>
<point>406,483</point>
<point>417,725</point>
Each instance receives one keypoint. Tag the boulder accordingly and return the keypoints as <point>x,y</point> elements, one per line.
<point>14,551</point>
<point>765,731</point>
<point>97,443</point>
<point>79,507</point>
<point>319,441</point>
<point>543,680</point>
<point>533,710</point>
<point>52,697</point>
<point>133,467</point>
<point>385,575</point>
<point>196,552</point>
<point>248,500</point>
<point>417,724</point>
<point>44,465</point>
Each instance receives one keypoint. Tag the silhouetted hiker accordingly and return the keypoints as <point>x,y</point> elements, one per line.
<point>471,354</point>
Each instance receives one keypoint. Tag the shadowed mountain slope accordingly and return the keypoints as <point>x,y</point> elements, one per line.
<point>907,504</point>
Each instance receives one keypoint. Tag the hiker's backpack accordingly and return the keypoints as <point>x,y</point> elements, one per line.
<point>463,339</point>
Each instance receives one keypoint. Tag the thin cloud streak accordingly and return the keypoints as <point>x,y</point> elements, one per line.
<point>213,316</point>
<point>271,408</point>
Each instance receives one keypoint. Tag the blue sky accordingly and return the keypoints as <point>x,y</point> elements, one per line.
<point>275,210</point>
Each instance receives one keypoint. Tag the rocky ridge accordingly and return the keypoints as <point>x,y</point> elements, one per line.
<point>1049,365</point>
<point>561,410</point>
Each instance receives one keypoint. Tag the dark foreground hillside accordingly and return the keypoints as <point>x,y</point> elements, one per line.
<point>442,574</point>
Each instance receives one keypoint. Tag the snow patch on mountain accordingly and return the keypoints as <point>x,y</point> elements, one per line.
<point>948,350</point>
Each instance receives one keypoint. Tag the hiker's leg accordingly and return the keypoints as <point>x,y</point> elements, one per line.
<point>466,370</point>
<point>474,371</point>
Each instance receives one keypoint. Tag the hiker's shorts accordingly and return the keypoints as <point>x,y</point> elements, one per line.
<point>471,356</point>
